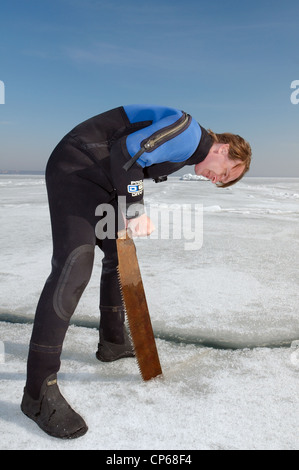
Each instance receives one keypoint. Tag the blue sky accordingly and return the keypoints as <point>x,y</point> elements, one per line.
<point>228,63</point>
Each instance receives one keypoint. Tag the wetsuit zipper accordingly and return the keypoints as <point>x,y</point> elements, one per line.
<point>167,133</point>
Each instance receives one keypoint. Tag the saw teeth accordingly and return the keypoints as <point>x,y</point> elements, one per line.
<point>127,323</point>
<point>136,310</point>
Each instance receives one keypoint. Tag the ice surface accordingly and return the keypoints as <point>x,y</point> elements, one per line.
<point>239,290</point>
<point>208,399</point>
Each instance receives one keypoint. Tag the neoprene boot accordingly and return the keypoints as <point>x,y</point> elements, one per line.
<point>52,413</point>
<point>109,351</point>
<point>114,341</point>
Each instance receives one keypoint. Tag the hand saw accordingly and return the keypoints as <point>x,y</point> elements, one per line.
<point>136,307</point>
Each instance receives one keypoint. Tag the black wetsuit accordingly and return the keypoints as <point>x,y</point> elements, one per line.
<point>86,169</point>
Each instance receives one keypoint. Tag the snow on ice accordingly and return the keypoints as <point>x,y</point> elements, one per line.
<point>225,317</point>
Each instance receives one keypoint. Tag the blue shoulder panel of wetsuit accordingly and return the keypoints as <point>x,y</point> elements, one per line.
<point>175,149</point>
<point>146,112</point>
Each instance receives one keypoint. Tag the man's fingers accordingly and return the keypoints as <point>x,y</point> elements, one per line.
<point>141,227</point>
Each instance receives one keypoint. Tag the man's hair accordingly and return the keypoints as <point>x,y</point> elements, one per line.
<point>239,149</point>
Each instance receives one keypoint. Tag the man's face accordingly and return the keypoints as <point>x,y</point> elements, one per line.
<point>218,167</point>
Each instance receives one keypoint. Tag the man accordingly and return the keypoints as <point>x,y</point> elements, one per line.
<point>100,160</point>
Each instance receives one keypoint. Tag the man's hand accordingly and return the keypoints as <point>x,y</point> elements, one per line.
<point>140,226</point>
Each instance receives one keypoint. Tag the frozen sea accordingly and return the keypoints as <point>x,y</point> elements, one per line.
<point>224,308</point>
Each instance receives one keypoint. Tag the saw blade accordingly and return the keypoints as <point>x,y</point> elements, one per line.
<point>136,308</point>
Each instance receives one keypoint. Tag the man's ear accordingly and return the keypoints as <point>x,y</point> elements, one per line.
<point>224,149</point>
